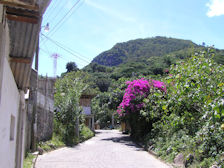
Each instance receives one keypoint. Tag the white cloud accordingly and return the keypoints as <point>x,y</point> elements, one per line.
<point>109,11</point>
<point>216,8</point>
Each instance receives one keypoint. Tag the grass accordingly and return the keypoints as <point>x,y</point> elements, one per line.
<point>54,143</point>
<point>28,160</point>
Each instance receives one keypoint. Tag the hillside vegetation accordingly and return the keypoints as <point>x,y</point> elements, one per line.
<point>150,56</point>
<point>141,50</point>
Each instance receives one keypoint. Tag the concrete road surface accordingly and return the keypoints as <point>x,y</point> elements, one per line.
<point>108,149</point>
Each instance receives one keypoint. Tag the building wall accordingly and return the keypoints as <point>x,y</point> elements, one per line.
<point>9,102</point>
<point>9,107</point>
<point>85,102</point>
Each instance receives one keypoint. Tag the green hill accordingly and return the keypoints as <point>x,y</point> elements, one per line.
<point>141,49</point>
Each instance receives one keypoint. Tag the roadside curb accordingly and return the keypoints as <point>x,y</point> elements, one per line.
<point>36,154</point>
<point>154,154</point>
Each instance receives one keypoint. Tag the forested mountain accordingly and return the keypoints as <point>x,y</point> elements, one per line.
<point>150,56</point>
<point>141,49</point>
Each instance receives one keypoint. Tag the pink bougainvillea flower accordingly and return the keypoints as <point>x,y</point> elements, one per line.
<point>137,90</point>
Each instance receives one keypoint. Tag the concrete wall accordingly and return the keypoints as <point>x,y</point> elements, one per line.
<point>9,107</point>
<point>45,108</point>
<point>40,110</point>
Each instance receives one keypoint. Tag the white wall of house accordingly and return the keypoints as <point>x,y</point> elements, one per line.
<point>9,102</point>
<point>9,107</point>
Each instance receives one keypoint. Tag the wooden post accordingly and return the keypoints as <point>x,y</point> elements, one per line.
<point>37,56</point>
<point>112,123</point>
<point>77,127</point>
<point>93,123</point>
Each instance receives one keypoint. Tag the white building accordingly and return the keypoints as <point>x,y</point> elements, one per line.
<point>20,22</point>
<point>85,102</point>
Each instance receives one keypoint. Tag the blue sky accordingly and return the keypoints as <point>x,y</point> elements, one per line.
<point>93,26</point>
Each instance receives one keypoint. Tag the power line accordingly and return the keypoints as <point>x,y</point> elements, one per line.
<point>71,50</point>
<point>64,58</point>
<point>64,16</point>
<point>46,52</point>
<point>67,19</point>
<point>59,45</point>
<point>45,46</point>
<point>60,23</point>
<point>59,10</point>
<point>52,6</point>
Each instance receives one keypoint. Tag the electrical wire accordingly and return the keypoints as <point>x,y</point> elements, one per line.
<point>46,52</point>
<point>52,8</point>
<point>45,45</point>
<point>58,56</point>
<point>60,23</point>
<point>53,32</point>
<point>58,11</point>
<point>61,20</point>
<point>67,50</point>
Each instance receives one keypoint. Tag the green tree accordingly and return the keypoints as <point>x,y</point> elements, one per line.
<point>67,96</point>
<point>71,66</point>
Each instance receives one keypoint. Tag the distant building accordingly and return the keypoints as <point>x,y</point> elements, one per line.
<point>85,102</point>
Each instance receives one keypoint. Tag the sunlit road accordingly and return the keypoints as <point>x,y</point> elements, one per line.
<point>108,149</point>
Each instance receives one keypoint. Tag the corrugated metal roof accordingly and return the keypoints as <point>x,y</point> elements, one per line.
<point>23,42</point>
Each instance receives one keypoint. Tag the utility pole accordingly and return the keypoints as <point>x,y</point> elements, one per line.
<point>33,93</point>
<point>55,57</point>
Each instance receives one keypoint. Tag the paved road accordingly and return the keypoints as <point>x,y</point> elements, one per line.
<point>108,149</point>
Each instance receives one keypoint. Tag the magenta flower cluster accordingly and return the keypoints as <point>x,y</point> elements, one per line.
<point>135,92</point>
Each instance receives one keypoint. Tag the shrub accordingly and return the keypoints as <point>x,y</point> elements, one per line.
<point>135,104</point>
<point>193,111</point>
<point>85,133</point>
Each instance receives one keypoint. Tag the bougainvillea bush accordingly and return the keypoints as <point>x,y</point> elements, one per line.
<point>136,91</point>
<point>133,104</point>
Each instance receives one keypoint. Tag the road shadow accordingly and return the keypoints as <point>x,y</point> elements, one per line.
<point>126,140</point>
<point>97,132</point>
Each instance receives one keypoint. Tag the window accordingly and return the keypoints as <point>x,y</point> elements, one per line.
<point>12,128</point>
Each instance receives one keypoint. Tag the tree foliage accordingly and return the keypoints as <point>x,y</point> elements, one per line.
<point>71,66</point>
<point>68,92</point>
